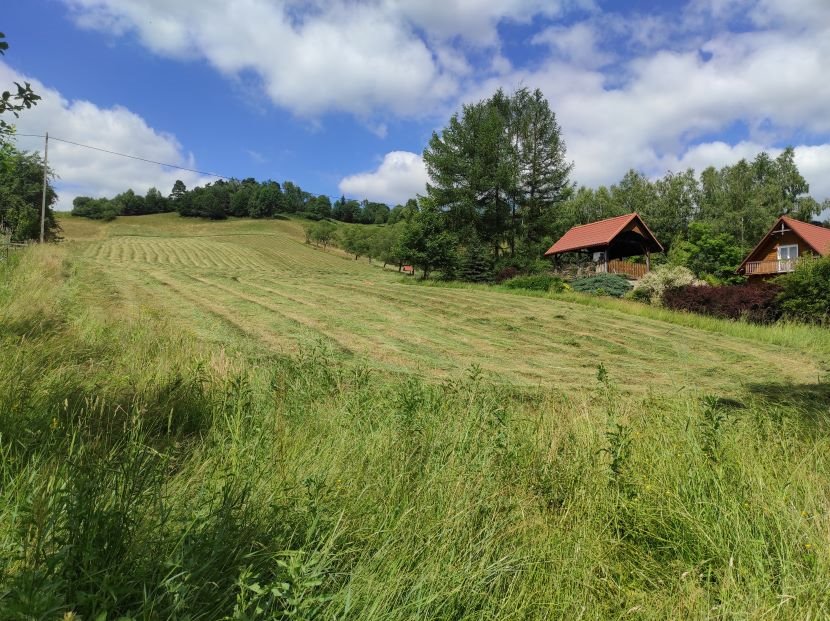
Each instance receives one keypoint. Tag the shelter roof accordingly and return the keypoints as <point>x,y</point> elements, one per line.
<point>597,234</point>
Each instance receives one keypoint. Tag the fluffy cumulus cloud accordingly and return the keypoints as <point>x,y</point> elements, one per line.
<point>365,58</point>
<point>655,108</point>
<point>86,172</point>
<point>400,176</point>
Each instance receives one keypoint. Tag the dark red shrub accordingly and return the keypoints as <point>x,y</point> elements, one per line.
<point>755,302</point>
<point>507,273</point>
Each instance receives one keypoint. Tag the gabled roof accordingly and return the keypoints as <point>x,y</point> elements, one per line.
<point>815,236</point>
<point>596,234</point>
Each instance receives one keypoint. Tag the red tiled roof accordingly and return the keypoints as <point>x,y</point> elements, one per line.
<point>815,236</point>
<point>595,234</point>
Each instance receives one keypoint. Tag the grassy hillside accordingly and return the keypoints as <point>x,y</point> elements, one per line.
<point>261,281</point>
<point>214,420</point>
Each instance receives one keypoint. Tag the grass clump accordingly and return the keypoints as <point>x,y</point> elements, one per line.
<point>537,282</point>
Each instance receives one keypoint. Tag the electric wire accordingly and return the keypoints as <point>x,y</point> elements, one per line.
<point>144,159</point>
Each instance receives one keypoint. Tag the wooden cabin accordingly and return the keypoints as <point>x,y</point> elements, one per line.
<point>787,242</point>
<point>608,242</point>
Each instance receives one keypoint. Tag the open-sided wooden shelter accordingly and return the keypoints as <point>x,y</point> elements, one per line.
<point>609,241</point>
<point>788,241</point>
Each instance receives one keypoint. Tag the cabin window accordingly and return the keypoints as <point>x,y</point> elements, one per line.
<point>787,257</point>
<point>786,253</point>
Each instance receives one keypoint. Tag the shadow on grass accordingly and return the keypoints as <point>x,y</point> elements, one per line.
<point>809,402</point>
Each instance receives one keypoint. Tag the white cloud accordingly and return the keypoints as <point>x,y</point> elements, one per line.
<point>84,172</point>
<point>658,103</point>
<point>400,176</point>
<point>387,57</point>
<point>577,44</point>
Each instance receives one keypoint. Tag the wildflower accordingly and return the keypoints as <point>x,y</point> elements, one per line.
<point>54,424</point>
<point>808,546</point>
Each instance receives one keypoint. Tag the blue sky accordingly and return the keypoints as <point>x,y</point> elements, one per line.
<point>341,96</point>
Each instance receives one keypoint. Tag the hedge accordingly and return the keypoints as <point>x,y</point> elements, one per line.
<point>537,282</point>
<point>756,302</point>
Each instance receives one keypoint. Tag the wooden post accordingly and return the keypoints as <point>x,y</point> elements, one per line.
<point>43,200</point>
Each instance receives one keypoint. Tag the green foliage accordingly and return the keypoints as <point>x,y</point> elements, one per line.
<point>712,256</point>
<point>241,199</point>
<point>651,287</point>
<point>476,263</point>
<point>499,170</point>
<point>95,208</point>
<point>322,233</point>
<point>806,291</point>
<point>21,194</point>
<point>125,204</point>
<point>15,103</point>
<point>602,284</point>
<point>739,202</point>
<point>426,243</point>
<point>537,282</point>
<point>355,240</point>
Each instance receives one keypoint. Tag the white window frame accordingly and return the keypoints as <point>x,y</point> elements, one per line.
<point>788,264</point>
<point>788,247</point>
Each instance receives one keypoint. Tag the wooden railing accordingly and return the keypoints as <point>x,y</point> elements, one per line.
<point>615,266</point>
<point>7,247</point>
<point>762,268</point>
<point>625,268</point>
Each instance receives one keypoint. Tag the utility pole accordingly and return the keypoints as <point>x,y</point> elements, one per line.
<point>43,201</point>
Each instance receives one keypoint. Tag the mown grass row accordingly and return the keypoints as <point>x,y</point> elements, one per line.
<point>800,337</point>
<point>147,476</point>
<point>431,331</point>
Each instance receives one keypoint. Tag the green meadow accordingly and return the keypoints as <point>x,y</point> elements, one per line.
<point>206,420</point>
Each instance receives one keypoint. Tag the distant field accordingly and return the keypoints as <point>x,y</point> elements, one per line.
<point>257,284</point>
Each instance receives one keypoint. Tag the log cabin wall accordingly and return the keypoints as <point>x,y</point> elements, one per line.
<point>769,249</point>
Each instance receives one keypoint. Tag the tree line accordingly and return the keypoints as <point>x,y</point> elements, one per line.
<point>246,198</point>
<point>741,201</point>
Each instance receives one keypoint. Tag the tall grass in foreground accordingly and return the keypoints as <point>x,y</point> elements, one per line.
<point>142,476</point>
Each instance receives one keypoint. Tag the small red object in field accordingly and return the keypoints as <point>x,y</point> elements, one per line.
<point>408,269</point>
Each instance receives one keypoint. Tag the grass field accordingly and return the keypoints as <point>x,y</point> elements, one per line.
<point>262,281</point>
<point>216,420</point>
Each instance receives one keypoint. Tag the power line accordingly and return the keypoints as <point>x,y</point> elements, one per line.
<point>143,159</point>
<point>132,157</point>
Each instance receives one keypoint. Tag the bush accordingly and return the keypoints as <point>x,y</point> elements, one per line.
<point>476,264</point>
<point>756,303</point>
<point>602,284</point>
<point>537,282</point>
<point>506,273</point>
<point>712,256</point>
<point>650,287</point>
<point>805,293</point>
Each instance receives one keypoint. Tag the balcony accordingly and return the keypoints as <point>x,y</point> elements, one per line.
<point>623,268</point>
<point>768,268</point>
<point>614,266</point>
